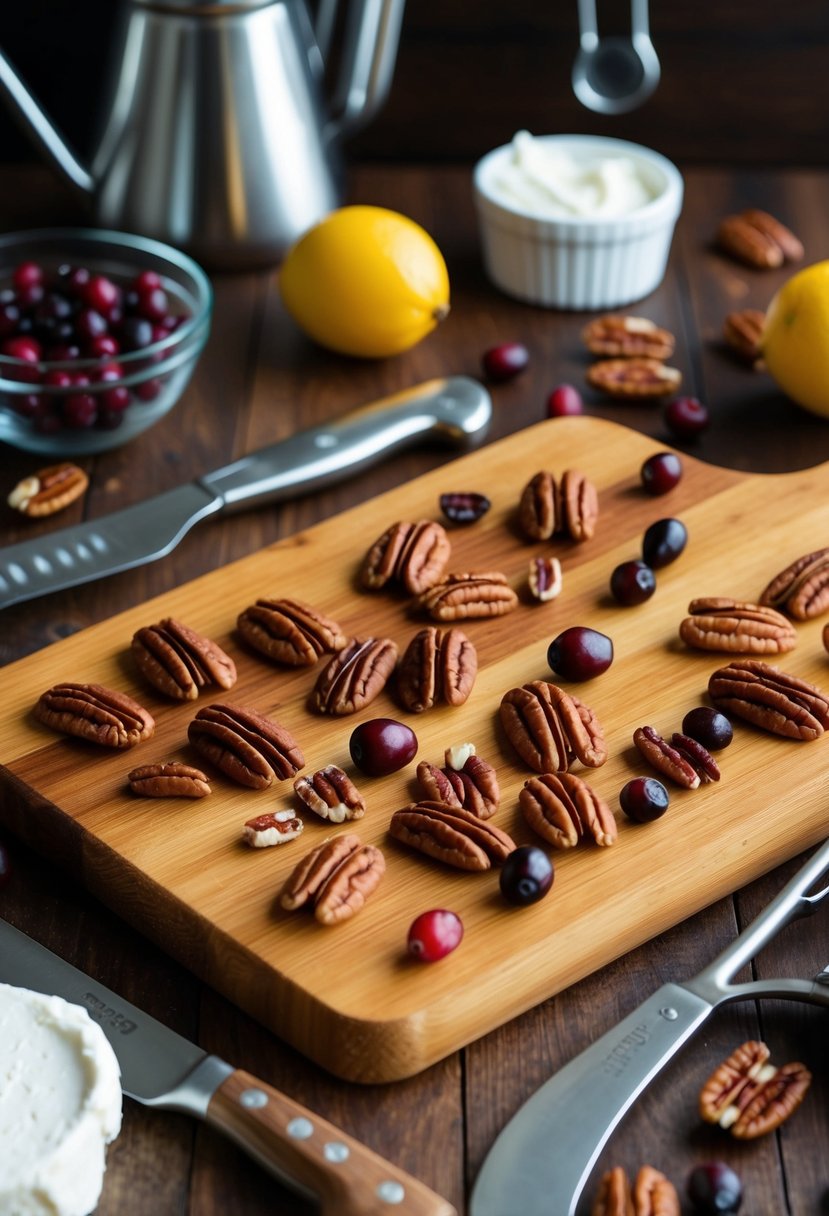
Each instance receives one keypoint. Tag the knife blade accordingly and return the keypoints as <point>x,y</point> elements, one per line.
<point>160,1068</point>
<point>455,410</point>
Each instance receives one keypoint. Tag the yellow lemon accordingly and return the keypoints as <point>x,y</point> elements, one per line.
<point>795,339</point>
<point>365,281</point>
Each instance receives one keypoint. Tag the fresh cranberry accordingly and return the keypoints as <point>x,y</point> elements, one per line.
<point>29,297</point>
<point>90,324</point>
<point>26,348</point>
<point>29,405</point>
<point>434,934</point>
<point>686,417</point>
<point>27,274</point>
<point>644,799</point>
<point>115,400</point>
<point>109,371</point>
<point>101,294</point>
<point>104,344</point>
<point>663,542</point>
<point>709,727</point>
<point>464,508</point>
<point>57,377</point>
<point>9,318</point>
<point>661,472</point>
<point>74,279</point>
<point>505,361</point>
<point>147,280</point>
<point>580,653</point>
<point>526,875</point>
<point>136,333</point>
<point>564,401</point>
<point>714,1188</point>
<point>109,419</point>
<point>66,352</point>
<point>632,583</point>
<point>148,390</point>
<point>381,746</point>
<point>79,411</point>
<point>153,304</point>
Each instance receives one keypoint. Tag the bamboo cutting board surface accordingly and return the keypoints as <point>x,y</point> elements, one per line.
<point>347,996</point>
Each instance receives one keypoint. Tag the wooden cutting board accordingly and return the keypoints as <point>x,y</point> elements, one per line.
<point>348,996</point>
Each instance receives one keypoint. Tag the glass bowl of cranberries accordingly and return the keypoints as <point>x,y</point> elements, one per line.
<point>99,335</point>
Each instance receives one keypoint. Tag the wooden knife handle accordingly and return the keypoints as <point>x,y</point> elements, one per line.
<point>302,1149</point>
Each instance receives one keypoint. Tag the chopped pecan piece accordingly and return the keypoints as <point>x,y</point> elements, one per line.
<point>563,809</point>
<point>290,631</point>
<point>719,623</point>
<point>549,728</point>
<point>336,878</point>
<point>412,554</point>
<point>272,828</point>
<point>758,239</point>
<point>545,578</point>
<point>802,589</point>
<point>246,746</point>
<point>451,834</point>
<point>437,666</point>
<point>665,758</point>
<point>469,596</point>
<point>771,699</point>
<point>749,1096</point>
<point>331,794</point>
<point>180,662</point>
<point>618,336</point>
<point>652,1194</point>
<point>49,490</point>
<point>466,781</point>
<point>96,713</point>
<point>171,779</point>
<point>354,676</point>
<point>633,378</point>
<point>742,331</point>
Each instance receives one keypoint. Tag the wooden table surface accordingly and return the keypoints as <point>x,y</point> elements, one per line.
<point>259,380</point>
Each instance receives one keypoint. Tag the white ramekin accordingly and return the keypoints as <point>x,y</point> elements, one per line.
<point>579,263</point>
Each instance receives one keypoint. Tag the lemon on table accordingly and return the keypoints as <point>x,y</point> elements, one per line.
<point>795,338</point>
<point>365,281</point>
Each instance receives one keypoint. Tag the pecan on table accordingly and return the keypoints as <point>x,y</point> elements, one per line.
<point>618,336</point>
<point>825,636</point>
<point>545,578</point>
<point>652,1194</point>
<point>290,631</point>
<point>469,596</point>
<point>331,794</point>
<point>579,505</point>
<point>802,589</point>
<point>170,779</point>
<point>245,745</point>
<point>742,332</point>
<point>437,667</point>
<point>563,809</point>
<point>413,554</point>
<point>49,490</point>
<point>719,623</point>
<point>569,507</point>
<point>633,378</point>
<point>96,713</point>
<point>770,699</point>
<point>335,879</point>
<point>665,758</point>
<point>749,1096</point>
<point>354,676</point>
<point>272,828</point>
<point>452,835</point>
<point>180,662</point>
<point>757,239</point>
<point>549,728</point>
<point>466,780</point>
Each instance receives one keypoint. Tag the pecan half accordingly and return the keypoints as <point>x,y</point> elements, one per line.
<point>625,337</point>
<point>613,1197</point>
<point>96,713</point>
<point>742,331</point>
<point>652,1194</point>
<point>697,756</point>
<point>545,579</point>
<point>719,623</point>
<point>290,631</point>
<point>436,667</point>
<point>665,758</point>
<point>825,636</point>
<point>771,699</point>
<point>49,490</point>
<point>354,676</point>
<point>549,728</point>
<point>171,779</point>
<point>180,662</point>
<point>802,589</point>
<point>579,505</point>
<point>451,835</point>
<point>633,378</point>
<point>749,1096</point>
<point>467,780</point>
<point>331,794</point>
<point>469,596</point>
<point>272,828</point>
<point>539,508</point>
<point>336,878</point>
<point>758,239</point>
<point>412,554</point>
<point>563,809</point>
<point>246,746</point>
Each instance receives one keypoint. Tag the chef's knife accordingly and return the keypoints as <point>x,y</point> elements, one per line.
<point>455,410</point>
<point>160,1068</point>
<point>540,1162</point>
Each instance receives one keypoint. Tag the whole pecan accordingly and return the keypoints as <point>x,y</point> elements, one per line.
<point>331,794</point>
<point>633,378</point>
<point>336,878</point>
<point>549,728</point>
<point>666,759</point>
<point>749,1096</point>
<point>248,747</point>
<point>563,809</point>
<point>624,336</point>
<point>466,780</point>
<point>414,554</point>
<point>758,239</point>
<point>451,834</point>
<point>171,779</point>
<point>437,666</point>
<point>652,1194</point>
<point>742,331</point>
<point>770,698</point>
<point>96,713</point>
<point>469,596</point>
<point>570,508</point>
<point>272,828</point>
<point>719,623</point>
<point>180,662</point>
<point>290,631</point>
<point>354,676</point>
<point>49,490</point>
<point>802,589</point>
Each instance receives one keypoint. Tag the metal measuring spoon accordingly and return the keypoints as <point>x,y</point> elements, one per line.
<point>614,75</point>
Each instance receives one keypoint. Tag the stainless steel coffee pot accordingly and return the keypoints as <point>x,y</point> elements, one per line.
<point>215,135</point>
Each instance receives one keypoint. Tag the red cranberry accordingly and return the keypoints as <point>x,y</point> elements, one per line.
<point>686,417</point>
<point>90,324</point>
<point>709,727</point>
<point>153,304</point>
<point>27,274</point>
<point>29,405</point>
<point>464,508</point>
<point>147,280</point>
<point>632,583</point>
<point>65,353</point>
<point>101,294</point>
<point>714,1188</point>
<point>644,799</point>
<point>115,400</point>
<point>434,934</point>
<point>109,371</point>
<point>564,401</point>
<point>26,348</point>
<point>661,472</point>
<point>5,865</point>
<point>57,377</point>
<point>148,390</point>
<point>580,653</point>
<point>526,875</point>
<point>9,318</point>
<point>381,746</point>
<point>79,411</point>
<point>503,362</point>
<point>104,344</point>
<point>29,297</point>
<point>663,542</point>
<point>136,332</point>
<point>74,279</point>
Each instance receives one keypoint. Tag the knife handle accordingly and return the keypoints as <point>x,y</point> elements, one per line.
<point>314,1156</point>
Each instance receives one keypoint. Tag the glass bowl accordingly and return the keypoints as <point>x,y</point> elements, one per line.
<point>99,335</point>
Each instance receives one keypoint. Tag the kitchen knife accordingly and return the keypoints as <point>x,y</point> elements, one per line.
<point>541,1161</point>
<point>455,410</point>
<point>160,1068</point>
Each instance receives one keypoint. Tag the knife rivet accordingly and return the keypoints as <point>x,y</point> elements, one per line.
<point>336,1151</point>
<point>253,1099</point>
<point>300,1128</point>
<point>669,1013</point>
<point>391,1191</point>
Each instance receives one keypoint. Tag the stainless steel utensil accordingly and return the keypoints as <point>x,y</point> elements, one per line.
<point>160,1068</point>
<point>540,1162</point>
<point>455,410</point>
<point>614,75</point>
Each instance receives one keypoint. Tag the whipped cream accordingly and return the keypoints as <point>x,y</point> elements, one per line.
<point>555,182</point>
<point>60,1105</point>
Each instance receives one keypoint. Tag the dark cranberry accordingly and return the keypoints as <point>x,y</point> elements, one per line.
<point>148,390</point>
<point>632,583</point>
<point>57,377</point>
<point>661,472</point>
<point>74,279</point>
<point>5,865</point>
<point>47,423</point>
<point>29,297</point>
<point>136,333</point>
<point>714,1187</point>
<point>101,294</point>
<point>9,318</point>
<point>104,344</point>
<point>109,419</point>
<point>26,348</point>
<point>709,727</point>
<point>79,411</point>
<point>663,542</point>
<point>434,934</point>
<point>381,746</point>
<point>526,875</point>
<point>147,280</point>
<point>564,401</point>
<point>115,400</point>
<point>580,653</point>
<point>29,405</point>
<point>464,508</point>
<point>153,304</point>
<point>109,371</point>
<point>686,417</point>
<point>503,362</point>
<point>644,799</point>
<point>27,274</point>
<point>64,353</point>
<point>90,324</point>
